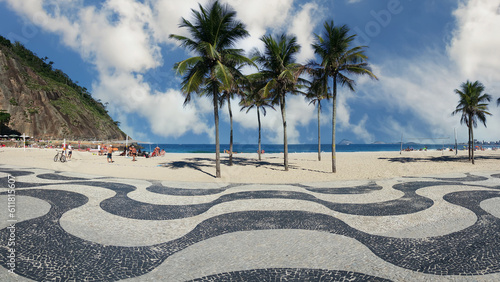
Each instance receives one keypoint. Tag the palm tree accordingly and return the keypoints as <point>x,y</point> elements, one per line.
<point>213,32</point>
<point>472,105</point>
<point>253,99</point>
<point>339,59</point>
<point>281,73</point>
<point>228,94</point>
<point>318,91</point>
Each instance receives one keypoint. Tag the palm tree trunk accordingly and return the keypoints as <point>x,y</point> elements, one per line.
<point>258,119</point>
<point>472,140</point>
<point>285,142</point>
<point>231,132</point>
<point>217,142</point>
<point>319,131</point>
<point>334,119</point>
<point>468,141</point>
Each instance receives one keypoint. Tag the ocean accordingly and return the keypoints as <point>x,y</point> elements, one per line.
<point>292,148</point>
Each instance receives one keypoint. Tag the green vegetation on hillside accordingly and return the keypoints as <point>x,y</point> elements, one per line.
<point>57,80</point>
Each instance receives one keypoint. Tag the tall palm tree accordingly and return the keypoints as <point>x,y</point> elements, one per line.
<point>338,60</point>
<point>318,91</point>
<point>281,73</point>
<point>232,90</point>
<point>213,33</point>
<point>472,106</point>
<point>253,99</point>
<point>228,94</point>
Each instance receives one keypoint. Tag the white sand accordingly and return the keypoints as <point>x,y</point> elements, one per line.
<point>304,167</point>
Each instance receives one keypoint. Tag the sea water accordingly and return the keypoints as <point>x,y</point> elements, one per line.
<point>292,148</point>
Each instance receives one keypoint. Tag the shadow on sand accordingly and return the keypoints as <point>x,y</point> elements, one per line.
<point>461,159</point>
<point>200,164</point>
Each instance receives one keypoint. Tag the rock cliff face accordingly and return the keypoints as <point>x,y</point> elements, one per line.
<point>44,108</point>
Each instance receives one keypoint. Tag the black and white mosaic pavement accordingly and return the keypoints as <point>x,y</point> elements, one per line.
<point>85,228</point>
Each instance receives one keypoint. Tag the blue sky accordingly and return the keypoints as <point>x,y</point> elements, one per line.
<point>420,50</point>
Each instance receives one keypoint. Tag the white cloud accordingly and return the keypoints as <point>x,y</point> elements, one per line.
<point>476,42</point>
<point>165,111</point>
<point>475,48</point>
<point>420,87</point>
<point>117,36</point>
<point>343,118</point>
<point>302,26</point>
<point>167,16</point>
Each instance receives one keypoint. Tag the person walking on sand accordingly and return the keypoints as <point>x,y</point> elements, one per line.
<point>70,151</point>
<point>133,151</point>
<point>110,152</point>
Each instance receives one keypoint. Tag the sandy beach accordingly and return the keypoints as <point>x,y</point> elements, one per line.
<point>304,167</point>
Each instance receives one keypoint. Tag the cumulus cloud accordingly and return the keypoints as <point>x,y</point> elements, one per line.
<point>475,42</point>
<point>303,25</point>
<point>165,110</point>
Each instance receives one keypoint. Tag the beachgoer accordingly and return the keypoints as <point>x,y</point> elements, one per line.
<point>156,152</point>
<point>110,153</point>
<point>162,153</point>
<point>70,151</point>
<point>133,151</point>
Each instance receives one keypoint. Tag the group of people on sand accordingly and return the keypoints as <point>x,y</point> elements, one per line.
<point>67,150</point>
<point>157,152</point>
<point>408,149</point>
<point>132,151</point>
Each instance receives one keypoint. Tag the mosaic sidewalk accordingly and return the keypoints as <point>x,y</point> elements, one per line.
<point>65,226</point>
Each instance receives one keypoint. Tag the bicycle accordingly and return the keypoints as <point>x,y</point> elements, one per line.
<point>61,158</point>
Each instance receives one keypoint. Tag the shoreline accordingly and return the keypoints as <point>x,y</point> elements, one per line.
<point>304,167</point>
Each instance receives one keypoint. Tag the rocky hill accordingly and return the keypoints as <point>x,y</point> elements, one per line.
<point>46,103</point>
